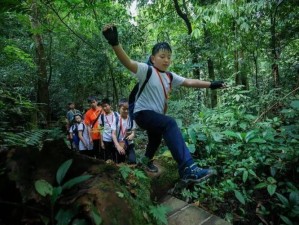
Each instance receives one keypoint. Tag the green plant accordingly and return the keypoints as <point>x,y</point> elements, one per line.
<point>138,191</point>
<point>44,188</point>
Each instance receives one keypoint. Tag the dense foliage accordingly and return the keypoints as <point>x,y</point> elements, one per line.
<point>52,52</point>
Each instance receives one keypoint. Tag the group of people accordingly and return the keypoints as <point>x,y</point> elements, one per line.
<point>101,132</point>
<point>155,84</point>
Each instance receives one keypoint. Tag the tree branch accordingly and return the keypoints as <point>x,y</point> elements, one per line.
<point>275,105</point>
<point>68,27</point>
<point>184,16</point>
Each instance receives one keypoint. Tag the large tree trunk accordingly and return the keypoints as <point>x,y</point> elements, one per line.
<point>42,78</point>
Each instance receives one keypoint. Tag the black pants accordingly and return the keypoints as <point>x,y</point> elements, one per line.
<point>130,155</point>
<point>109,151</point>
<point>157,126</point>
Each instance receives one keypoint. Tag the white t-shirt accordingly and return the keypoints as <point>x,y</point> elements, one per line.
<point>108,122</point>
<point>152,96</point>
<point>125,126</point>
<point>85,134</point>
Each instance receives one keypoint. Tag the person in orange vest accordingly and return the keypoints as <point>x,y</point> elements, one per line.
<point>91,121</point>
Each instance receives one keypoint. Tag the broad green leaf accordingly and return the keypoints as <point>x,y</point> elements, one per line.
<point>120,194</point>
<point>257,140</point>
<point>64,217</point>
<point>201,137</point>
<point>217,136</point>
<point>239,196</point>
<point>245,176</point>
<point>260,185</point>
<point>56,193</point>
<point>231,133</point>
<point>271,188</point>
<point>271,180</point>
<point>286,220</point>
<point>43,187</point>
<point>295,104</point>
<point>179,123</point>
<point>192,135</point>
<point>74,181</point>
<point>95,215</point>
<point>191,148</point>
<point>273,171</point>
<point>283,199</point>
<point>252,172</point>
<point>294,198</point>
<point>61,172</point>
<point>249,135</point>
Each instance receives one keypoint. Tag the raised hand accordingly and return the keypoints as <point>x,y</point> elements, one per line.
<point>111,35</point>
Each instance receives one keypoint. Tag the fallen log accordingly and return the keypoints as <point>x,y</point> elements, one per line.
<point>111,195</point>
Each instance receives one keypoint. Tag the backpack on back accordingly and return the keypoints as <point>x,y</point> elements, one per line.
<point>136,92</point>
<point>76,138</point>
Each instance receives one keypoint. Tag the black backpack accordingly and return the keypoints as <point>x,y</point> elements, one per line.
<point>136,92</point>
<point>76,138</point>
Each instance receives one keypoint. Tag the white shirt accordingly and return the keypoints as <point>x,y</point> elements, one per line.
<point>125,125</point>
<point>152,96</point>
<point>108,122</point>
<point>85,134</point>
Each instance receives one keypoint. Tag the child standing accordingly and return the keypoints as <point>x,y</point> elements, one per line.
<point>123,133</point>
<point>106,121</point>
<point>150,107</point>
<point>85,144</point>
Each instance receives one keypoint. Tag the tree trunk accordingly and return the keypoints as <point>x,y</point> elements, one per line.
<point>274,47</point>
<point>42,78</point>
<point>193,47</point>
<point>212,77</point>
<point>241,78</point>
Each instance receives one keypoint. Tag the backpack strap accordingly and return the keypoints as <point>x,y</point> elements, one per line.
<point>102,120</point>
<point>116,118</point>
<point>169,74</point>
<point>148,75</point>
<point>94,122</point>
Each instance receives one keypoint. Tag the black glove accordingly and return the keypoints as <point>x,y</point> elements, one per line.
<point>216,84</point>
<point>111,35</point>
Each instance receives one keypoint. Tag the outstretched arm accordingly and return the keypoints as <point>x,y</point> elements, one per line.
<point>111,35</point>
<point>195,83</point>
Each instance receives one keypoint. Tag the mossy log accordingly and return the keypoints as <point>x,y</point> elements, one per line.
<point>116,200</point>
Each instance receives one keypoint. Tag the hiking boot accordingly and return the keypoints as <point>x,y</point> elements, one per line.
<point>194,173</point>
<point>151,167</point>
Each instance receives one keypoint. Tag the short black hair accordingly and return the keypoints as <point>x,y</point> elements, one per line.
<point>161,46</point>
<point>105,101</point>
<point>122,102</point>
<point>77,114</point>
<point>91,99</point>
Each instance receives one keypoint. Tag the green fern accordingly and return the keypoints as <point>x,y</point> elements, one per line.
<point>159,213</point>
<point>24,139</point>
